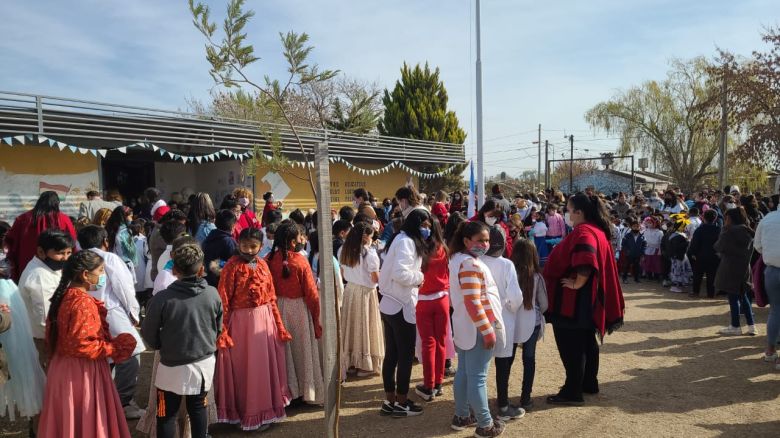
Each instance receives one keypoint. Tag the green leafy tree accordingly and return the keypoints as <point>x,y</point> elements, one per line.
<point>229,59</point>
<point>670,120</point>
<point>417,108</point>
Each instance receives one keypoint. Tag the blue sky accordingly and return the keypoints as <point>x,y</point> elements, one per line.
<point>543,62</point>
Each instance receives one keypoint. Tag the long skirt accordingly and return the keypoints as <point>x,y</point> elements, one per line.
<point>653,264</point>
<point>81,401</point>
<point>148,423</point>
<point>23,393</point>
<point>362,339</point>
<point>682,273</point>
<point>304,372</point>
<point>251,378</point>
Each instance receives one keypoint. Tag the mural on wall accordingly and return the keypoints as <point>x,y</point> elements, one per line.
<point>20,191</point>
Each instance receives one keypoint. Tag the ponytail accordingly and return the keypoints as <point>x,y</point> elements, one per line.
<point>594,210</point>
<point>285,234</point>
<point>77,263</point>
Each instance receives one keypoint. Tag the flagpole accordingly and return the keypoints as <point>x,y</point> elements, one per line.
<point>480,152</point>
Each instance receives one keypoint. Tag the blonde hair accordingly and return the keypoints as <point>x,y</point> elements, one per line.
<point>101,217</point>
<point>243,192</point>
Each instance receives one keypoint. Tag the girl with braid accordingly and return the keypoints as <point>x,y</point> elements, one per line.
<point>299,304</point>
<point>80,397</point>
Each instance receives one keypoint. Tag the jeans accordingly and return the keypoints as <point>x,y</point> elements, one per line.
<point>400,339</point>
<point>126,378</point>
<point>433,323</point>
<point>772,286</point>
<point>168,411</point>
<point>740,304</point>
<point>529,365</point>
<point>471,383</point>
<point>579,353</point>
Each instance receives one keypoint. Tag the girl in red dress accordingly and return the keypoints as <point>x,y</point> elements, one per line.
<point>80,398</point>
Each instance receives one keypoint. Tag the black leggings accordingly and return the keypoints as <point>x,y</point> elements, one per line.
<point>580,356</point>
<point>503,370</point>
<point>400,338</point>
<point>168,410</point>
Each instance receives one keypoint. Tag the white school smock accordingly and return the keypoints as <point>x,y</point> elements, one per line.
<point>400,278</point>
<point>519,322</point>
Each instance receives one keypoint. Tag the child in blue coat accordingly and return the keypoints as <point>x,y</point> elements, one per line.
<point>633,247</point>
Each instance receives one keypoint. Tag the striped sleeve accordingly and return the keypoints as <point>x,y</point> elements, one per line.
<point>472,282</point>
<point>584,252</point>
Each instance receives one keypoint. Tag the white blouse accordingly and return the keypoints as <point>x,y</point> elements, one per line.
<point>360,274</point>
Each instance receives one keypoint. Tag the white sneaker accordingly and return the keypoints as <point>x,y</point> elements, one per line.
<point>731,331</point>
<point>676,289</point>
<point>362,373</point>
<point>133,412</point>
<point>751,330</point>
<point>771,358</point>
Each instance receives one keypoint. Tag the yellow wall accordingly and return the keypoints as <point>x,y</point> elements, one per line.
<point>343,183</point>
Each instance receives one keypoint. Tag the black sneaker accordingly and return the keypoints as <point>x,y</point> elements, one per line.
<point>460,423</point>
<point>424,393</point>
<point>565,401</point>
<point>496,429</point>
<point>387,409</point>
<point>437,391</point>
<point>407,409</point>
<point>527,404</point>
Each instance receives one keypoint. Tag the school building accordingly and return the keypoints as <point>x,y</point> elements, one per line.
<point>73,146</point>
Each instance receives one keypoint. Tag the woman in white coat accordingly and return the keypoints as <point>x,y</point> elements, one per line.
<point>518,321</point>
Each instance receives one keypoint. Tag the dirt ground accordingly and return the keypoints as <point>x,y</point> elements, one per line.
<point>665,373</point>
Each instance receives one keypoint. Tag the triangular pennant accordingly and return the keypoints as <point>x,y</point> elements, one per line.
<point>171,155</point>
<point>162,153</point>
<point>61,146</point>
<point>155,148</point>
<point>41,139</point>
<point>83,150</point>
<point>20,139</point>
<point>198,159</point>
<point>8,140</point>
<point>122,150</point>
<point>73,149</point>
<point>93,152</point>
<point>102,152</point>
<point>51,142</point>
<point>29,137</point>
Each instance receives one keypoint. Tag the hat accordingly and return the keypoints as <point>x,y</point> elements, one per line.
<point>734,189</point>
<point>159,209</point>
<point>497,242</point>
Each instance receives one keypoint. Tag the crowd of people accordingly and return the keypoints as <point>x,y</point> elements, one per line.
<point>230,302</point>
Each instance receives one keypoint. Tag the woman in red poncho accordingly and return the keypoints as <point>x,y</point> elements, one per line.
<point>585,299</point>
<point>22,238</point>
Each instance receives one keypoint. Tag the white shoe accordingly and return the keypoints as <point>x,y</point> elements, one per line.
<point>771,358</point>
<point>676,289</point>
<point>731,331</point>
<point>362,373</point>
<point>751,330</point>
<point>133,412</point>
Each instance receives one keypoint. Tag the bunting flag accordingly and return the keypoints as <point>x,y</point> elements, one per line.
<point>214,156</point>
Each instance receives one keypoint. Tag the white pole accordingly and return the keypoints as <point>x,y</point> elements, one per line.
<point>480,152</point>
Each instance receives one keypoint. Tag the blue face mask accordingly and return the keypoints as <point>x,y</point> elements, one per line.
<point>426,233</point>
<point>100,284</point>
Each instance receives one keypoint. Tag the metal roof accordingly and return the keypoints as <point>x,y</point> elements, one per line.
<point>95,124</point>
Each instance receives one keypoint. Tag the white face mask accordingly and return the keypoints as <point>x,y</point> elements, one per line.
<point>490,221</point>
<point>729,206</point>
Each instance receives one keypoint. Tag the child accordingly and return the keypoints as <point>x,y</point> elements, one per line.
<point>340,230</point>
<point>433,313</point>
<point>539,233</point>
<point>39,281</point>
<point>183,322</point>
<point>505,275</point>
<point>652,263</point>
<point>118,296</point>
<point>251,382</point>
<point>477,328</point>
<point>681,272</point>
<point>362,346</point>
<point>299,304</point>
<point>529,275</point>
<point>633,247</point>
<point>268,239</point>
<point>169,231</point>
<point>80,398</point>
<point>219,246</point>
<point>143,280</point>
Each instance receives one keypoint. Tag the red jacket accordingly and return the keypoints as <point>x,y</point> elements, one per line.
<point>269,207</point>
<point>246,220</point>
<point>440,211</point>
<point>436,276</point>
<point>22,238</point>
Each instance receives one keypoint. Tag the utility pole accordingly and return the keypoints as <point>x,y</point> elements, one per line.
<point>480,155</point>
<point>571,165</point>
<point>722,170</point>
<point>539,159</point>
<point>546,165</point>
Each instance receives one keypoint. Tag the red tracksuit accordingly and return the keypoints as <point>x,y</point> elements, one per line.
<point>433,318</point>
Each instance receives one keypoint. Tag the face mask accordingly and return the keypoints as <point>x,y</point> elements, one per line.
<point>247,257</point>
<point>490,221</point>
<point>729,206</point>
<point>478,250</point>
<point>298,247</point>
<point>664,227</point>
<point>457,198</point>
<point>375,225</point>
<point>245,201</point>
<point>100,284</point>
<point>54,265</point>
<point>425,232</point>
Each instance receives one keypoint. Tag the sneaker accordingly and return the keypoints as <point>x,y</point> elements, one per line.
<point>437,391</point>
<point>751,330</point>
<point>460,423</point>
<point>527,405</point>
<point>407,409</point>
<point>387,409</point>
<point>133,412</point>
<point>449,372</point>
<point>676,289</point>
<point>362,373</point>
<point>772,358</point>
<point>424,393</point>
<point>496,429</point>
<point>731,331</point>
<point>510,412</point>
